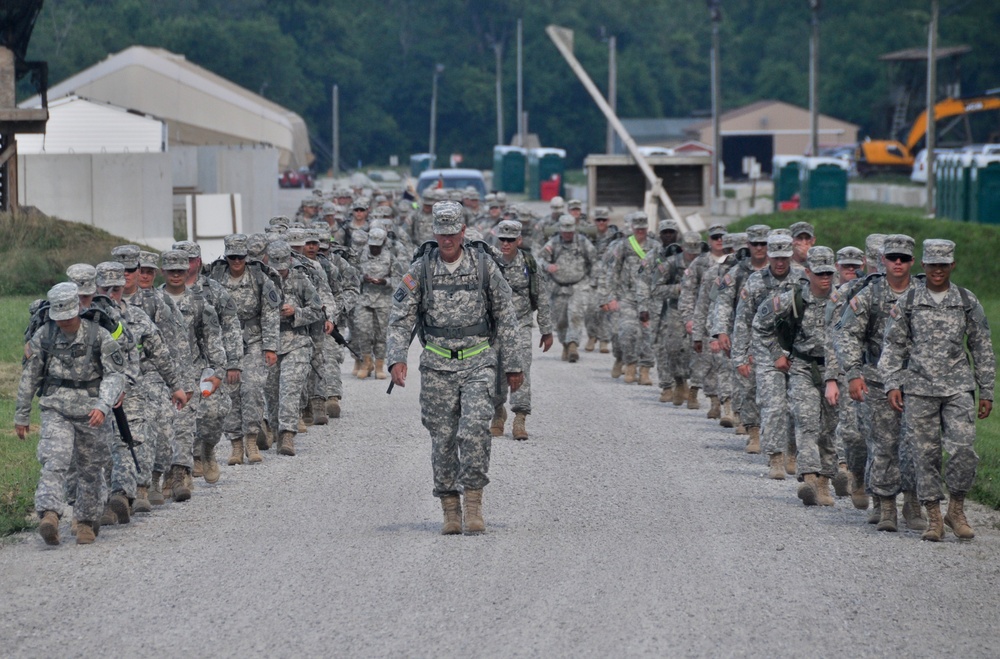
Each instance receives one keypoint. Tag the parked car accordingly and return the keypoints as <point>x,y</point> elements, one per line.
<point>451,179</point>
<point>296,179</point>
<point>919,174</point>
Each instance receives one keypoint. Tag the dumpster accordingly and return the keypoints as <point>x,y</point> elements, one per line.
<point>984,189</point>
<point>421,162</point>
<point>823,183</point>
<point>508,168</point>
<point>542,164</point>
<point>785,175</point>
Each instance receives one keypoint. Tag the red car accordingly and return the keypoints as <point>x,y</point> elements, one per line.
<point>296,179</point>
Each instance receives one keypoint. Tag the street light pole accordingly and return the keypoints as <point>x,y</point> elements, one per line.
<point>520,88</point>
<point>498,50</point>
<point>715,11</point>
<point>612,88</point>
<point>932,30</point>
<point>336,131</point>
<point>438,69</point>
<point>814,5</point>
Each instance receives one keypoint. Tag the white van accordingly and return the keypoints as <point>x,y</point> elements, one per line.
<point>919,174</point>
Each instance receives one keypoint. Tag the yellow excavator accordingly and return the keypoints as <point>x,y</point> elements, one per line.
<point>874,156</point>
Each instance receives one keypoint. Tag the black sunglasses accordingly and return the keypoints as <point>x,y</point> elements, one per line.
<point>236,257</point>
<point>131,270</point>
<point>902,258</point>
<point>507,240</point>
<point>761,244</point>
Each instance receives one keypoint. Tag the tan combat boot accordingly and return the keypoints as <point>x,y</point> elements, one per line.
<point>887,514</point>
<point>776,466</point>
<point>842,481</point>
<point>366,368</point>
<point>499,419</point>
<point>629,373</point>
<point>357,367</point>
<point>616,370</point>
<point>823,496</point>
<point>753,445</point>
<point>565,352</point>
<point>142,503</point>
<point>120,505</point>
<point>955,518</point>
<point>912,513</point>
<point>197,471</point>
<point>591,342</point>
<point>666,394</point>
<point>807,490</point>
<point>875,515</point>
<point>605,349</point>
<point>180,488</point>
<point>573,353</point>
<point>302,427</point>
<point>265,438</point>
<point>48,528</point>
<point>680,391</point>
<point>644,378</point>
<point>253,453</point>
<point>286,442</point>
<point>858,496</point>
<point>380,373</point>
<point>935,525</point>
<point>741,429</point>
<point>333,407</point>
<point>211,466</point>
<point>474,511</point>
<point>519,432</point>
<point>156,490</point>
<point>728,419</point>
<point>790,464</point>
<point>714,409</point>
<point>306,414</point>
<point>85,534</point>
<point>452,507</point>
<point>318,406</point>
<point>236,457</point>
<point>692,398</point>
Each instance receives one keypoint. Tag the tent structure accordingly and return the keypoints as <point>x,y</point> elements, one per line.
<point>198,107</point>
<point>77,125</point>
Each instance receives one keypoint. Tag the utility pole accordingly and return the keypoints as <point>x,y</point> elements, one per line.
<point>932,30</point>
<point>438,69</point>
<point>612,89</point>
<point>715,11</point>
<point>498,50</point>
<point>336,130</point>
<point>520,87</point>
<point>814,5</point>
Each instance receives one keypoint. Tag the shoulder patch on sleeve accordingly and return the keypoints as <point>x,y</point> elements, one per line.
<point>744,294</point>
<point>854,304</point>
<point>400,294</point>
<point>894,312</point>
<point>776,303</point>
<point>409,282</point>
<point>117,358</point>
<point>835,297</point>
<point>272,298</point>
<point>726,281</point>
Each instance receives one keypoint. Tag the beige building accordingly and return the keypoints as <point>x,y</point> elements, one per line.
<point>770,128</point>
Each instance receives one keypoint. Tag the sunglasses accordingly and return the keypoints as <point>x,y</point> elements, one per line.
<point>902,258</point>
<point>236,257</point>
<point>763,244</point>
<point>600,219</point>
<point>717,237</point>
<point>507,240</point>
<point>131,270</point>
<point>849,266</point>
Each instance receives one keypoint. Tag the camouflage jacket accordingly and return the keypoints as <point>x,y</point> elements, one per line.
<point>385,266</point>
<point>574,259</point>
<point>257,301</point>
<point>623,271</point>
<point>860,325</point>
<point>297,290</point>
<point>518,276</point>
<point>200,342</point>
<point>344,282</point>
<point>659,288</point>
<point>691,284</point>
<point>708,297</point>
<point>723,311</point>
<point>810,342</point>
<point>232,333</point>
<point>760,286</point>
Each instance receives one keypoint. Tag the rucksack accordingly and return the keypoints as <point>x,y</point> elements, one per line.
<point>531,270</point>
<point>786,327</point>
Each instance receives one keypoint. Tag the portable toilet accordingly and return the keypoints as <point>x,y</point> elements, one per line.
<point>785,175</point>
<point>984,189</point>
<point>823,183</point>
<point>508,168</point>
<point>421,162</point>
<point>544,164</point>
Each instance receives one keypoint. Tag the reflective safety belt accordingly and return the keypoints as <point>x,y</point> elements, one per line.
<point>465,353</point>
<point>636,247</point>
<point>118,332</point>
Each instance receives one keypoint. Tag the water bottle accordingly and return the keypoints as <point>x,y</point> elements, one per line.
<point>207,386</point>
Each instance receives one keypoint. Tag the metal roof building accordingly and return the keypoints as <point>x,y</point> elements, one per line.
<point>77,125</point>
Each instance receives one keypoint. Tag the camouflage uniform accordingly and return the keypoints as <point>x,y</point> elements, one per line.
<point>598,321</point>
<point>570,282</point>
<point>371,314</point>
<point>657,294</point>
<point>706,298</point>
<point>704,372</point>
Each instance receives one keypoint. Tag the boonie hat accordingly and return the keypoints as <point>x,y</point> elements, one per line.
<point>64,301</point>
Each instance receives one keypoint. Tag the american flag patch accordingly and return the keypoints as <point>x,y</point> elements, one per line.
<point>854,304</point>
<point>776,302</point>
<point>894,312</point>
<point>727,280</point>
<point>744,294</point>
<point>410,282</point>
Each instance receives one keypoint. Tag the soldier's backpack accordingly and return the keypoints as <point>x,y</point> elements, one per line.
<point>786,327</point>
<point>99,317</point>
<point>531,270</point>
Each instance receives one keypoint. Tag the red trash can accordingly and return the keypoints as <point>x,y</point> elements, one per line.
<point>549,189</point>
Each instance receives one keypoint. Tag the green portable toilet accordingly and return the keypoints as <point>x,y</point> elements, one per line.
<point>785,176</point>
<point>543,164</point>
<point>508,168</point>
<point>944,185</point>
<point>823,183</point>
<point>964,166</point>
<point>421,162</point>
<point>984,189</point>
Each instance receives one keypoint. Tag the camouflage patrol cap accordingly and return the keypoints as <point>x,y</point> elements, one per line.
<point>638,220</point>
<point>567,223</point>
<point>110,273</point>
<point>310,202</point>
<point>470,193</point>
<point>602,213</point>
<point>779,246</point>
<point>734,241</point>
<point>235,245</point>
<point>192,249</point>
<point>873,246</point>
<point>429,196</point>
<point>295,237</point>
<point>274,233</point>
<point>297,225</point>
<point>279,220</point>
<point>800,228</point>
<point>384,223</point>
<point>380,198</point>
<point>328,208</point>
<point>256,245</point>
<point>937,250</point>
<point>691,242</point>
<point>361,203</point>
<point>850,256</point>
<point>669,225</point>
<point>376,237</point>
<point>64,301</point>
<point>494,203</point>
<point>448,218</point>
<point>173,259</point>
<point>757,233</point>
<point>359,238</point>
<point>574,204</point>
<point>820,260</point>
<point>84,276</point>
<point>898,243</point>
<point>127,255</point>
<point>781,231</point>
<point>456,195</point>
<point>279,255</point>
<point>717,230</point>
<point>149,260</point>
<point>509,229</point>
<point>557,203</point>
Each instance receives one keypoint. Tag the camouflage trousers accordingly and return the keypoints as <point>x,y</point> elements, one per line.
<point>64,441</point>
<point>705,371</point>
<point>815,423</point>
<point>745,397</point>
<point>520,400</point>
<point>161,438</point>
<point>456,407</point>
<point>848,442</point>
<point>636,338</point>
<point>673,350</point>
<point>247,397</point>
<point>200,422</point>
<point>890,457</point>
<point>776,434</point>
<point>315,386</point>
<point>934,424</point>
<point>723,374</point>
<point>285,385</point>
<point>598,322</point>
<point>333,354</point>
<point>371,323</point>
<point>123,476</point>
<point>569,309</point>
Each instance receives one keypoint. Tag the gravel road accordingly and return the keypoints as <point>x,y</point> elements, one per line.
<point>623,527</point>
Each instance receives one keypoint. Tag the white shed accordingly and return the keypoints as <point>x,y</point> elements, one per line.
<point>78,125</point>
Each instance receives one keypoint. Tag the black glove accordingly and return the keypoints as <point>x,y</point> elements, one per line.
<point>643,316</point>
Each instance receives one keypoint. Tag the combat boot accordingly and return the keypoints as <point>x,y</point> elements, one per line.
<point>452,507</point>
<point>333,407</point>
<point>807,490</point>
<point>142,503</point>
<point>692,398</point>
<point>573,353</point>
<point>306,414</point>
<point>841,482</point>
<point>714,409</point>
<point>108,516</point>
<point>629,373</point>
<point>286,442</point>
<point>211,466</point>
<point>198,470</point>
<point>565,352</point>
<point>728,419</point>
<point>156,490</point>
<point>474,511</point>
<point>644,378</point>
<point>318,406</point>
<point>168,486</point>
<point>518,431</point>
<point>265,438</point>
<point>935,525</point>
<point>666,394</point>
<point>776,466</point>
<point>955,518</point>
<point>499,419</point>
<point>823,496</point>
<point>253,453</point>
<point>86,532</point>
<point>180,487</point>
<point>875,515</point>
<point>680,391</point>
<point>119,504</point>
<point>357,367</point>
<point>48,528</point>
<point>604,347</point>
<point>790,464</point>
<point>741,429</point>
<point>302,427</point>
<point>616,370</point>
<point>591,342</point>
<point>380,369</point>
<point>366,367</point>
<point>858,496</point>
<point>912,514</point>
<point>236,457</point>
<point>887,514</point>
<point>753,444</point>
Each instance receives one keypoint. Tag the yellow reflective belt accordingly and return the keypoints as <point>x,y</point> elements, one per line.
<point>464,353</point>
<point>636,247</point>
<point>438,351</point>
<point>118,332</point>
